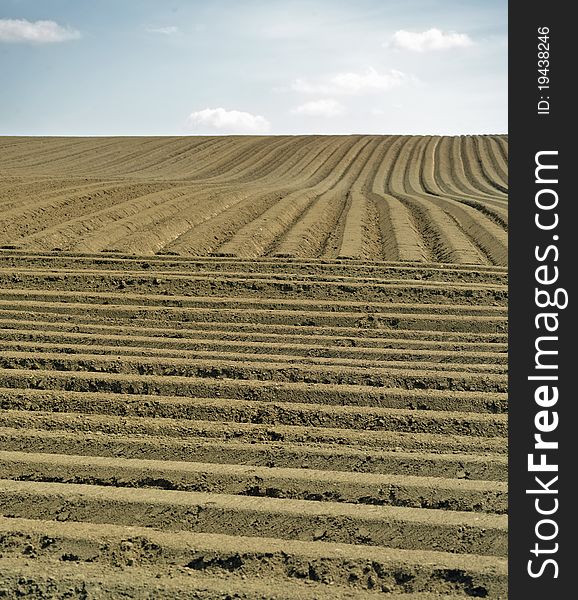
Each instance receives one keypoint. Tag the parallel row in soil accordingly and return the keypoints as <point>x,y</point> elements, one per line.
<point>339,430</point>
<point>425,199</point>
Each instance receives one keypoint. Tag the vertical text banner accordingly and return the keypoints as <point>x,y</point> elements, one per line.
<point>543,249</point>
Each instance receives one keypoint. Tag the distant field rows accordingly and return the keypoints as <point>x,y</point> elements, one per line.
<point>393,198</point>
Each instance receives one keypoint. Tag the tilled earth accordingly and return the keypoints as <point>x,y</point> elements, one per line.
<point>302,429</point>
<point>257,368</point>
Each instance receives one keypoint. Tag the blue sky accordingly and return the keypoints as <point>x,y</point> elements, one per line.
<point>181,67</point>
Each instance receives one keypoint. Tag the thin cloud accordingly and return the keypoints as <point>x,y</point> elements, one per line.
<point>169,30</point>
<point>327,107</point>
<point>35,32</point>
<point>220,120</point>
<point>432,39</point>
<point>352,83</point>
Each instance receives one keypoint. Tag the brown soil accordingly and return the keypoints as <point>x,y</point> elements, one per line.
<point>253,367</point>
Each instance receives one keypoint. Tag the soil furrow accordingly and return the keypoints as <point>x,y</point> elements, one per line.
<point>138,438</point>
<point>423,529</point>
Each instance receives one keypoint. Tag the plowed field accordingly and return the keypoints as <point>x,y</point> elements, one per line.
<point>253,367</point>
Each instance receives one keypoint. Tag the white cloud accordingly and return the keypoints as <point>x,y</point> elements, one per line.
<point>353,83</point>
<point>169,30</point>
<point>432,39</point>
<point>327,107</point>
<point>36,32</point>
<point>227,121</point>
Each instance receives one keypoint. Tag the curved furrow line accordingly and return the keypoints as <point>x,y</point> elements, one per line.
<point>400,238</point>
<point>448,241</point>
<point>87,162</point>
<point>20,185</point>
<point>174,165</point>
<point>360,236</point>
<point>502,145</point>
<point>319,228</point>
<point>188,165</point>
<point>157,158</point>
<point>74,231</point>
<point>333,238</point>
<point>256,169</point>
<point>289,167</point>
<point>34,148</point>
<point>69,162</point>
<point>453,174</point>
<point>490,167</point>
<point>19,197</point>
<point>240,170</point>
<point>150,230</point>
<point>491,238</point>
<point>358,233</point>
<point>347,229</point>
<point>480,160</point>
<point>497,158</point>
<point>227,164</point>
<point>302,166</point>
<point>119,163</point>
<point>286,165</point>
<point>496,210</point>
<point>310,233</point>
<point>293,156</point>
<point>207,236</point>
<point>133,232</point>
<point>116,164</point>
<point>257,237</point>
<point>467,167</point>
<point>152,163</point>
<point>200,229</point>
<point>312,172</point>
<point>461,175</point>
<point>7,142</point>
<point>33,219</point>
<point>393,185</point>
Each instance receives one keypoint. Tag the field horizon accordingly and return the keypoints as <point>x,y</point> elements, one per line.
<point>425,198</point>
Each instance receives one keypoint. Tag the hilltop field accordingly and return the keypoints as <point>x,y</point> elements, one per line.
<point>253,367</point>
